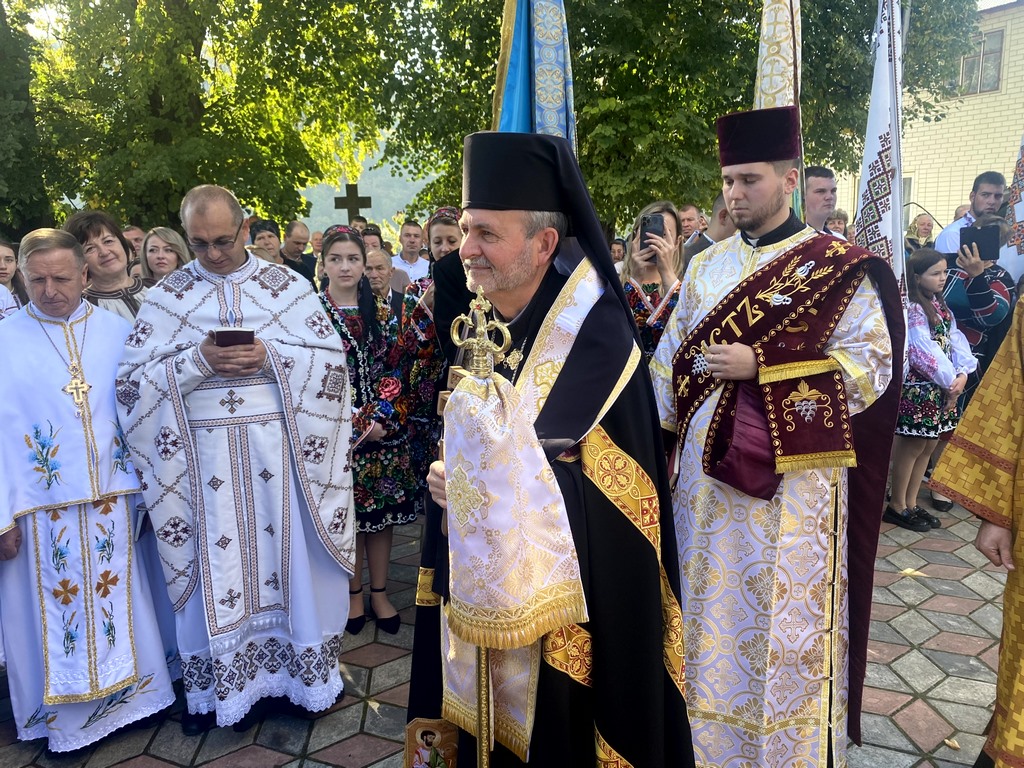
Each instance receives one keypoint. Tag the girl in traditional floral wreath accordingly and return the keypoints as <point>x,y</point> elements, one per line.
<point>939,360</point>
<point>383,481</point>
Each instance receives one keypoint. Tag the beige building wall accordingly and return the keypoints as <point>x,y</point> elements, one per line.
<point>980,132</point>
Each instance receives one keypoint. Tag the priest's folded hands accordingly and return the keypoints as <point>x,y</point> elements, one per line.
<point>234,361</point>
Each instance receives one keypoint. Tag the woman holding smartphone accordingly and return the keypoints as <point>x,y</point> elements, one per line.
<point>651,271</point>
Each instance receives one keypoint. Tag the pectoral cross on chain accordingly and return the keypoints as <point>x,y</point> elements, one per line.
<point>78,388</point>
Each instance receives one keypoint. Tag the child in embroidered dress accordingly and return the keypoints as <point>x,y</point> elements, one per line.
<point>939,360</point>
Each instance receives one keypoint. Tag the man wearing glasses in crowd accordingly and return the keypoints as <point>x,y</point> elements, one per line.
<point>234,398</point>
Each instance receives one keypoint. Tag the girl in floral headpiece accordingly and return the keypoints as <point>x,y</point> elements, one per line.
<point>383,481</point>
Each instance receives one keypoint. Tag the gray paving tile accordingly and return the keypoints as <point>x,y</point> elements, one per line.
<point>965,530</point>
<point>950,588</point>
<point>171,744</point>
<point>21,752</point>
<point>884,596</point>
<point>959,665</point>
<point>403,598</point>
<point>990,617</point>
<point>937,557</point>
<point>882,732</point>
<point>881,564</point>
<point>75,759</point>
<point>901,537</point>
<point>284,733</point>
<point>963,716</point>
<point>985,585</point>
<point>120,746</point>
<point>906,559</point>
<point>395,761</point>
<point>880,676</point>
<point>950,622</point>
<point>917,670</point>
<point>970,748</point>
<point>385,720</point>
<point>407,574</point>
<point>971,555</point>
<point>222,741</point>
<point>336,727</point>
<point>883,633</point>
<point>879,757</point>
<point>973,692</point>
<point>910,591</point>
<point>913,626</point>
<point>403,639</point>
<point>355,679</point>
<point>390,674</point>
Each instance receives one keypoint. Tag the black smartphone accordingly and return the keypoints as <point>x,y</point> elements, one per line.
<point>986,238</point>
<point>651,224</point>
<point>232,337</point>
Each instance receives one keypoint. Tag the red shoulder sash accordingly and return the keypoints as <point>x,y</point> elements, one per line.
<point>786,311</point>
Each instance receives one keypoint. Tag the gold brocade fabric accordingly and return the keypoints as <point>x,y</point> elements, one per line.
<point>981,469</point>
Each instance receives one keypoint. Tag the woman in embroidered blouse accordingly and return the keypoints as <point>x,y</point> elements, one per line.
<point>107,253</point>
<point>163,251</point>
<point>10,277</point>
<point>940,359</point>
<point>650,275</point>
<point>383,482</point>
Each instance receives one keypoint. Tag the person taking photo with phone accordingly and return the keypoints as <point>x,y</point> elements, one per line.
<point>651,271</point>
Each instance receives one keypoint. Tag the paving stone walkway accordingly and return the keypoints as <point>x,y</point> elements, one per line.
<point>931,677</point>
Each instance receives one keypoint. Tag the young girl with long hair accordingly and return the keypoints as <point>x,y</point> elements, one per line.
<point>939,360</point>
<point>382,477</point>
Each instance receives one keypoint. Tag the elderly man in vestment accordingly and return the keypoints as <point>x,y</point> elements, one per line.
<point>982,469</point>
<point>777,388</point>
<point>234,396</point>
<point>560,558</point>
<point>81,637</point>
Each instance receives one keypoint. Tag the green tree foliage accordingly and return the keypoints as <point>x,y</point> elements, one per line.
<point>650,80</point>
<point>139,100</point>
<point>24,204</point>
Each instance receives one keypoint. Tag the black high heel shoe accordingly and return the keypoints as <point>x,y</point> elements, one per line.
<point>355,626</point>
<point>391,624</point>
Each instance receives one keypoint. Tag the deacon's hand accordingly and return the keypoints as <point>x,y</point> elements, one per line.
<point>735,362</point>
<point>995,543</point>
<point>435,483</point>
<point>377,432</point>
<point>236,361</point>
<point>10,543</point>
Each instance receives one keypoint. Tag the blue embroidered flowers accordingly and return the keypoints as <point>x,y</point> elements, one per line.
<point>44,450</point>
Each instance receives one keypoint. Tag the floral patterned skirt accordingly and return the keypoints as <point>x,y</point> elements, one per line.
<point>924,411</point>
<point>385,486</point>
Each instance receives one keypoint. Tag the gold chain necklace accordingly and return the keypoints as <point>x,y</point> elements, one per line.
<point>77,388</point>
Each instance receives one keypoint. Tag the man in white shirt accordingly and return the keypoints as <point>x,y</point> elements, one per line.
<point>986,197</point>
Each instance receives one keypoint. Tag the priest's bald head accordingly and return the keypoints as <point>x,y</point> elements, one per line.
<point>759,152</point>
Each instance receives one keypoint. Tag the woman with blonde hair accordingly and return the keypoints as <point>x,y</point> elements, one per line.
<point>163,251</point>
<point>651,272</point>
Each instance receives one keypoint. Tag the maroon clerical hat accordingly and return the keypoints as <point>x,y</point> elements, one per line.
<point>759,136</point>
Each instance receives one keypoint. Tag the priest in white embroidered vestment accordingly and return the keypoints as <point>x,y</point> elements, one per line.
<point>81,638</point>
<point>243,451</point>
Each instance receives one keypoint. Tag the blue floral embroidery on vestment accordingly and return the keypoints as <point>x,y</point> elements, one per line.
<point>44,449</point>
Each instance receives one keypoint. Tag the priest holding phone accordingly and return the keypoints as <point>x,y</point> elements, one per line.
<point>233,395</point>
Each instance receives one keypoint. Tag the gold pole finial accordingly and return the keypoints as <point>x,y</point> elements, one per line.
<point>480,351</point>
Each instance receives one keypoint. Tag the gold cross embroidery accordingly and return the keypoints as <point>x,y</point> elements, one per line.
<point>684,386</point>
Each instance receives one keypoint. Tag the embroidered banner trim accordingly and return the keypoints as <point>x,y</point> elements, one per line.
<point>426,597</point>
<point>628,487</point>
<point>569,649</point>
<point>607,757</point>
<point>775,373</point>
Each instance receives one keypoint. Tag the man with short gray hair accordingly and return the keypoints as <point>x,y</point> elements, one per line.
<point>80,631</point>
